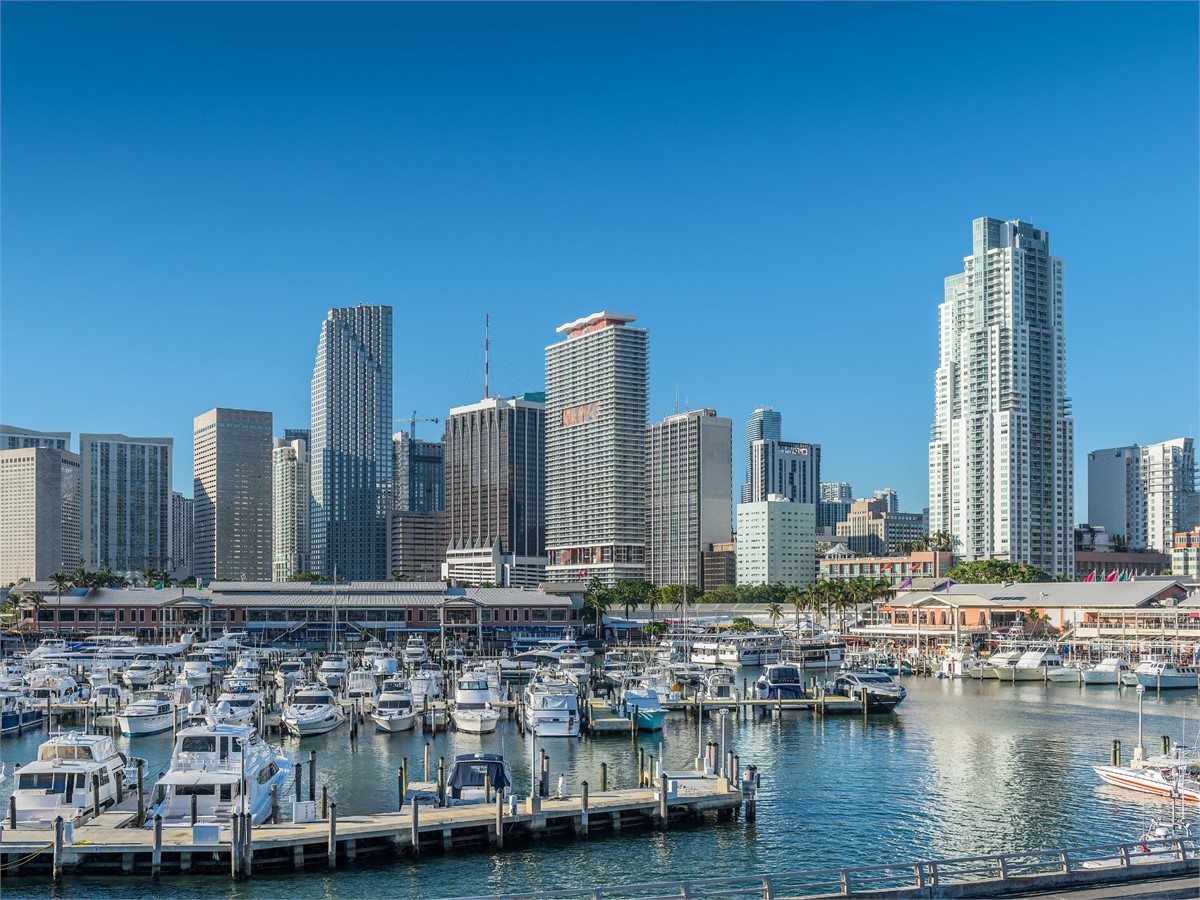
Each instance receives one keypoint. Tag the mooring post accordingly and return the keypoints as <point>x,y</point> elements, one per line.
<point>664,812</point>
<point>247,845</point>
<point>274,804</point>
<point>545,779</point>
<point>333,835</point>
<point>400,788</point>
<point>12,812</point>
<point>56,873</point>
<point>312,774</point>
<point>193,810</point>
<point>1116,753</point>
<point>500,819</point>
<point>441,781</point>
<point>641,764</point>
<point>141,798</point>
<point>235,842</point>
<point>299,780</point>
<point>427,752</point>
<point>156,859</point>
<point>1166,745</point>
<point>403,779</point>
<point>487,787</point>
<point>603,777</point>
<point>416,828</point>
<point>583,817</point>
<point>324,801</point>
<point>96,794</point>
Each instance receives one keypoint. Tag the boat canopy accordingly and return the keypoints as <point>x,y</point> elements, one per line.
<point>470,771</point>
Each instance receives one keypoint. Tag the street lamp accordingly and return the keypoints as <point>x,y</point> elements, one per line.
<point>1141,690</point>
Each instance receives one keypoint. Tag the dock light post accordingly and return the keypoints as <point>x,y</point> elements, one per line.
<point>1141,691</point>
<point>700,730</point>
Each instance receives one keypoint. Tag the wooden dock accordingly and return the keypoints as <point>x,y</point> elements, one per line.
<point>104,847</point>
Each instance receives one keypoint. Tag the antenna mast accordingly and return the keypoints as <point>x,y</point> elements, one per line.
<point>486,348</point>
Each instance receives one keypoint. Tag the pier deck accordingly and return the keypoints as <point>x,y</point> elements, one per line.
<point>103,846</point>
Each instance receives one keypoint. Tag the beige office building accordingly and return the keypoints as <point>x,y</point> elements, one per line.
<point>232,513</point>
<point>39,513</point>
<point>291,495</point>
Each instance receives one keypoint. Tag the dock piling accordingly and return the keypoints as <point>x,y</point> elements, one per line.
<point>274,804</point>
<point>12,813</point>
<point>403,779</point>
<point>583,816</point>
<point>641,764</point>
<point>235,834</point>
<point>299,780</point>
<point>544,781</point>
<point>441,781</point>
<point>141,797</point>
<point>333,835</point>
<point>247,845</point>
<point>426,760</point>
<point>156,858</point>
<point>1116,753</point>
<point>56,872</point>
<point>664,812</point>
<point>312,774</point>
<point>603,777</point>
<point>193,809</point>
<point>500,819</point>
<point>324,801</point>
<point>1166,744</point>
<point>416,828</point>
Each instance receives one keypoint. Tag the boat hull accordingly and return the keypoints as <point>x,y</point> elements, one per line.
<point>476,723</point>
<point>1091,676</point>
<point>13,721</point>
<point>143,726</point>
<point>1146,781</point>
<point>1168,682</point>
<point>392,723</point>
<point>314,726</point>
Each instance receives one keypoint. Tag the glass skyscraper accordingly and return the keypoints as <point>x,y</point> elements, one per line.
<point>764,424</point>
<point>351,450</point>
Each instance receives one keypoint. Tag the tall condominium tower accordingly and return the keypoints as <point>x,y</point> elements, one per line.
<point>1144,495</point>
<point>496,491</point>
<point>232,529</point>
<point>785,469</point>
<point>351,450</point>
<point>419,471</point>
<point>689,493</point>
<point>39,513</point>
<point>597,383</point>
<point>126,496</point>
<point>290,508</point>
<point>1000,461</point>
<point>764,424</point>
<point>13,438</point>
<point>182,512</point>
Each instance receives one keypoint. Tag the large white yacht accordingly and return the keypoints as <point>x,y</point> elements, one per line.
<point>333,671</point>
<point>238,707</point>
<point>63,780</point>
<point>150,712</point>
<point>426,684</point>
<point>228,768</point>
<point>291,672</point>
<point>473,698</point>
<point>394,710</point>
<point>1107,671</point>
<point>142,672</point>
<point>313,710</point>
<point>415,651</point>
<point>1159,673</point>
<point>362,688</point>
<point>1034,664</point>
<point>551,707</point>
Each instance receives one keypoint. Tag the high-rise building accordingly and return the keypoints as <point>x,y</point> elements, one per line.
<point>890,497</point>
<point>417,544</point>
<point>126,502</point>
<point>776,542</point>
<point>351,450</point>
<point>496,491</point>
<point>836,492</point>
<point>1144,495</point>
<point>290,508</point>
<point>785,468</point>
<point>874,528</point>
<point>297,434</point>
<point>689,493</point>
<point>182,513</point>
<point>419,471</point>
<point>39,513</point>
<point>1000,459</point>
<point>13,438</point>
<point>834,505</point>
<point>597,383</point>
<point>232,530</point>
<point>764,424</point>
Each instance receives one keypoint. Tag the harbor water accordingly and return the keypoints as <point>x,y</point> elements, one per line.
<point>963,767</point>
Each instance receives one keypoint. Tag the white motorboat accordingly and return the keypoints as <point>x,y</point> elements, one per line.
<point>1163,674</point>
<point>362,689</point>
<point>18,712</point>
<point>818,651</point>
<point>373,649</point>
<point>313,710</point>
<point>150,712</point>
<point>1107,671</point>
<point>476,720</point>
<point>1034,664</point>
<point>720,689</point>
<point>880,692</point>
<point>782,681</point>
<point>474,691</point>
<point>1173,774</point>
<point>643,702</point>
<point>142,672</point>
<point>72,771</point>
<point>998,664</point>
<point>226,768</point>
<point>415,651</point>
<point>51,682</point>
<point>751,649</point>
<point>333,671</point>
<point>291,672</point>
<point>551,707</point>
<point>394,710</point>
<point>426,685</point>
<point>1067,673</point>
<point>575,667</point>
<point>238,707</point>
<point>197,670</point>
<point>477,778</point>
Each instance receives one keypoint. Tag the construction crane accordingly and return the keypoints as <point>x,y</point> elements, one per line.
<point>412,451</point>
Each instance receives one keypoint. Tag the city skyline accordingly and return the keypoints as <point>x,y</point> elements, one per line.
<point>1129,125</point>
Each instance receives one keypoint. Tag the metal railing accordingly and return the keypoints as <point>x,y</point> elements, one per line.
<point>1120,861</point>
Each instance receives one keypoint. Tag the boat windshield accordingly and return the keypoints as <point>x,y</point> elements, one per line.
<point>50,782</point>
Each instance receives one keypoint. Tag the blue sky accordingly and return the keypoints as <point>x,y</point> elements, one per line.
<point>777,191</point>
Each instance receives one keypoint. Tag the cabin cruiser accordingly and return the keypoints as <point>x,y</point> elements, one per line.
<point>1161,674</point>
<point>415,651</point>
<point>474,691</point>
<point>333,671</point>
<point>313,710</point>
<point>551,707</point>
<point>107,697</point>
<point>643,702</point>
<point>1173,774</point>
<point>70,769</point>
<point>616,665</point>
<point>528,660</point>
<point>374,649</point>
<point>240,706</point>
<point>476,720</point>
<point>881,692</point>
<point>18,712</point>
<point>142,672</point>
<point>1035,664</point>
<point>1067,673</point>
<point>454,657</point>
<point>291,672</point>
<point>214,763</point>
<point>1108,671</point>
<point>149,712</point>
<point>782,681</point>
<point>361,687</point>
<point>475,775</point>
<point>753,649</point>
<point>51,682</point>
<point>564,646</point>
<point>818,651</point>
<point>720,688</point>
<point>575,667</point>
<point>999,663</point>
<point>959,662</point>
<point>394,710</point>
<point>426,684</point>
<point>197,669</point>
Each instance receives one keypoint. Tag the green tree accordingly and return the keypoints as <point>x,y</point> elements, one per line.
<point>741,624</point>
<point>996,571</point>
<point>670,596</point>
<point>61,583</point>
<point>597,599</point>
<point>35,601</point>
<point>943,542</point>
<point>653,630</point>
<point>774,613</point>
<point>310,576</point>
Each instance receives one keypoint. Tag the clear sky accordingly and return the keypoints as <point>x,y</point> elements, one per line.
<point>776,191</point>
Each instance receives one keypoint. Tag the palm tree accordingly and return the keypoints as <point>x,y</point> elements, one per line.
<point>774,613</point>
<point>61,583</point>
<point>597,598</point>
<point>12,608</point>
<point>36,601</point>
<point>148,575</point>
<point>810,599</point>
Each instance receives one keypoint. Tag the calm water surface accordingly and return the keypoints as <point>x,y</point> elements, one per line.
<point>962,768</point>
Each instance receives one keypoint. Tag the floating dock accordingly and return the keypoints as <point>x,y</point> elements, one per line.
<point>103,846</point>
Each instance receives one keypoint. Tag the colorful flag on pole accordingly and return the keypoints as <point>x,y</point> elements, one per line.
<point>1110,577</point>
<point>906,583</point>
<point>1091,576</point>
<point>949,584</point>
<point>199,583</point>
<point>886,567</point>
<point>1124,576</point>
<point>159,586</point>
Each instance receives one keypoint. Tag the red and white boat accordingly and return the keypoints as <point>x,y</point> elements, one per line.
<point>1174,774</point>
